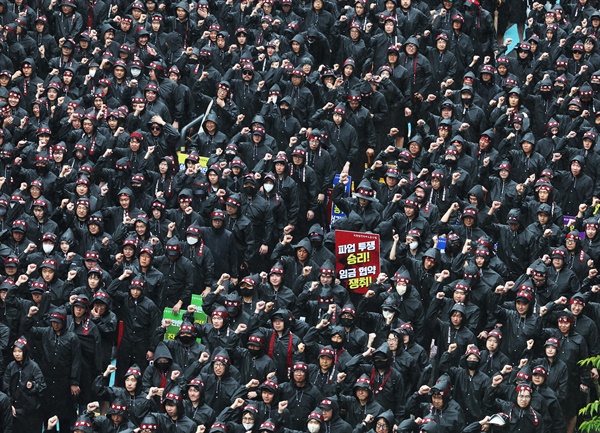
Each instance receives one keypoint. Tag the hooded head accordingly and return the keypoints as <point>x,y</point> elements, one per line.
<point>59,316</point>
<point>382,357</point>
<point>221,362</point>
<point>174,398</point>
<point>118,407</point>
<point>22,344</point>
<point>280,319</point>
<point>163,360</point>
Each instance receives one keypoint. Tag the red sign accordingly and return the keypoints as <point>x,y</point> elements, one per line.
<point>357,259</point>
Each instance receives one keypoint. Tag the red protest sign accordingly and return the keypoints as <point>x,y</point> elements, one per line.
<point>357,259</point>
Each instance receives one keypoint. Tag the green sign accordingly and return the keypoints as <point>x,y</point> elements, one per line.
<point>177,319</point>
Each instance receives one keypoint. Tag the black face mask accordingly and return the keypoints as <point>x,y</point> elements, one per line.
<point>254,352</point>
<point>380,364</point>
<point>346,323</point>
<point>246,292</point>
<point>450,162</point>
<point>284,111</point>
<point>162,366</point>
<point>558,89</point>
<point>337,345</point>
<point>546,93</point>
<point>316,243</point>
<point>402,165</point>
<point>596,87</point>
<point>229,156</point>
<point>453,249</point>
<point>187,340</point>
<point>233,311</point>
<point>472,365</point>
<point>249,190</point>
<point>573,113</point>
<point>467,101</point>
<point>41,170</point>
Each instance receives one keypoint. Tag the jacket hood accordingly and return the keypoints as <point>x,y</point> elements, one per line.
<point>414,41</point>
<point>383,351</point>
<point>223,356</point>
<point>460,308</point>
<point>528,138</point>
<point>331,403</point>
<point>22,344</point>
<point>433,253</point>
<point>477,191</point>
<point>352,222</point>
<point>388,416</point>
<point>162,351</point>
<point>303,243</point>
<point>316,229</point>
<point>298,38</point>
<point>580,159</point>
<point>282,314</point>
<point>213,118</point>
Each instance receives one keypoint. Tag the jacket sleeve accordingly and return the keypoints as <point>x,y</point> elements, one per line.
<point>6,418</point>
<point>76,365</point>
<point>338,198</point>
<point>38,381</point>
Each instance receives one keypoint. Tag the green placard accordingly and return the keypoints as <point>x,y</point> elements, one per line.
<point>173,329</point>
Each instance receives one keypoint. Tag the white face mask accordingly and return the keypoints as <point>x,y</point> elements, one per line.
<point>387,314</point>
<point>192,240</point>
<point>135,72</point>
<point>314,428</point>
<point>401,289</point>
<point>48,248</point>
<point>92,72</point>
<point>413,245</point>
<point>247,426</point>
<point>268,187</point>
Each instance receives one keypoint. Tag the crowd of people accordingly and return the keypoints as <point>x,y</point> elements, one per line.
<point>477,167</point>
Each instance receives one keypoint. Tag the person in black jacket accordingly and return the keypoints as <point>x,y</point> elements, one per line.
<point>24,384</point>
<point>178,274</point>
<point>469,383</point>
<point>138,405</point>
<point>493,359</point>
<point>522,417</point>
<point>302,396</point>
<point>140,318</point>
<point>572,348</point>
<point>195,406</point>
<point>515,244</point>
<point>331,417</point>
<point>387,383</point>
<point>79,322</point>
<point>60,362</point>
<point>366,205</point>
<point>221,387</point>
<point>444,410</point>
<point>576,187</point>
<point>174,412</point>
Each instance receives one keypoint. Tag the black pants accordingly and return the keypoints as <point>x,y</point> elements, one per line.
<point>130,353</point>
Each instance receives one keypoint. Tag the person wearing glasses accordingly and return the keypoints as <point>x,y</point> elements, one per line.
<point>522,417</point>
<point>577,259</point>
<point>382,423</point>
